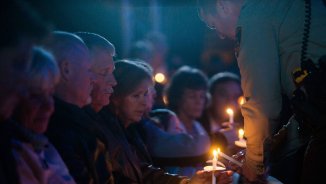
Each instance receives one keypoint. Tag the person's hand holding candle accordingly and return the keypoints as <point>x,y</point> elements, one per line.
<point>204,177</point>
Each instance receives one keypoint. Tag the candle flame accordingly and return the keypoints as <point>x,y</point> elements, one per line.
<point>229,111</point>
<point>218,150</point>
<point>165,100</point>
<point>241,132</point>
<point>241,100</point>
<point>159,77</point>
<point>214,152</point>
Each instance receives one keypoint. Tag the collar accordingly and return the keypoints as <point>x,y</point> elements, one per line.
<point>93,114</point>
<point>72,112</point>
<point>39,141</point>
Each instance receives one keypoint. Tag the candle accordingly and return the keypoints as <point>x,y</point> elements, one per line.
<point>230,159</point>
<point>214,166</point>
<point>241,132</point>
<point>230,112</point>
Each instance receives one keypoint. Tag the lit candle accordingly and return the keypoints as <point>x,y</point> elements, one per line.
<point>241,132</point>
<point>214,166</point>
<point>230,159</point>
<point>230,112</point>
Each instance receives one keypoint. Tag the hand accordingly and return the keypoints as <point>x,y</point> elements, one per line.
<point>249,176</point>
<point>205,177</point>
<point>230,132</point>
<point>239,157</point>
<point>229,125</point>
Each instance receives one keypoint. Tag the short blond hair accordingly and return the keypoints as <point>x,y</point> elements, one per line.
<point>43,68</point>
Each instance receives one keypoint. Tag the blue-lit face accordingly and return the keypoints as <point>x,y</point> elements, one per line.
<point>224,22</point>
<point>102,68</point>
<point>192,103</point>
<point>131,108</point>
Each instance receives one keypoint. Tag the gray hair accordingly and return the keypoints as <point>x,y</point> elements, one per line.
<point>94,40</point>
<point>43,68</point>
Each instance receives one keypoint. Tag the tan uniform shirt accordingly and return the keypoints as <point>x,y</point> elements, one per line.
<point>270,49</point>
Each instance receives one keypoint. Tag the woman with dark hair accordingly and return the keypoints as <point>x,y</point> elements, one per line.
<point>129,102</point>
<point>37,159</point>
<point>187,96</point>
<point>131,90</point>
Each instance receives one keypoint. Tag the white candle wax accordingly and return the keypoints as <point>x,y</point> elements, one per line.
<point>214,166</point>
<point>231,119</point>
<point>241,132</point>
<point>230,159</point>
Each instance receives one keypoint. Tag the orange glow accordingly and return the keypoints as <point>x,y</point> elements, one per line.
<point>241,132</point>
<point>215,152</point>
<point>218,150</point>
<point>241,100</point>
<point>159,77</point>
<point>165,100</point>
<point>229,111</point>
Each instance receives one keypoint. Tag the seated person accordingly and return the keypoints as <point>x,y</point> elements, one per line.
<point>187,96</point>
<point>167,142</point>
<point>167,121</point>
<point>75,135</point>
<point>225,90</point>
<point>37,159</point>
<point>21,29</point>
<point>128,103</point>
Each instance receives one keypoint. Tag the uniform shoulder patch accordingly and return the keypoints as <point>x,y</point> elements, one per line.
<point>238,36</point>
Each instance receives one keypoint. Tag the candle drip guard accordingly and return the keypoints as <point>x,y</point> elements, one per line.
<point>219,166</point>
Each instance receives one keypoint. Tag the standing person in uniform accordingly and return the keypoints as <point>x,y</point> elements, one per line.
<point>269,38</point>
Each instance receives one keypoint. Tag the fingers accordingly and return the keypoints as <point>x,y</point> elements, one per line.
<point>224,177</point>
<point>237,169</point>
<point>225,124</point>
<point>228,125</point>
<point>224,174</point>
<point>225,181</point>
<point>205,174</point>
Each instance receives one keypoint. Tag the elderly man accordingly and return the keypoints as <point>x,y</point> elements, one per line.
<point>269,38</point>
<point>71,130</point>
<point>126,167</point>
<point>16,43</point>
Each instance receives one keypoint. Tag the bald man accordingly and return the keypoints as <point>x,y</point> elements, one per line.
<point>75,135</point>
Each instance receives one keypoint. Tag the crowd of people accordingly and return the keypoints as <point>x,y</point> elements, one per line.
<point>70,114</point>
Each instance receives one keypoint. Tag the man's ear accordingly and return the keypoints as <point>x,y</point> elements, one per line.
<point>65,70</point>
<point>222,8</point>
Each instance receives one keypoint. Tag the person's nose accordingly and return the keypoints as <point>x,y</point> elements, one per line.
<point>144,100</point>
<point>111,81</point>
<point>48,104</point>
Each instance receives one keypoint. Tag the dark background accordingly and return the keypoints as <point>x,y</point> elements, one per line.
<point>188,37</point>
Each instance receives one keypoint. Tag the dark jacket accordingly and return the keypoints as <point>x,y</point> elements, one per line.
<point>125,168</point>
<point>8,170</point>
<point>81,144</point>
<point>137,154</point>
